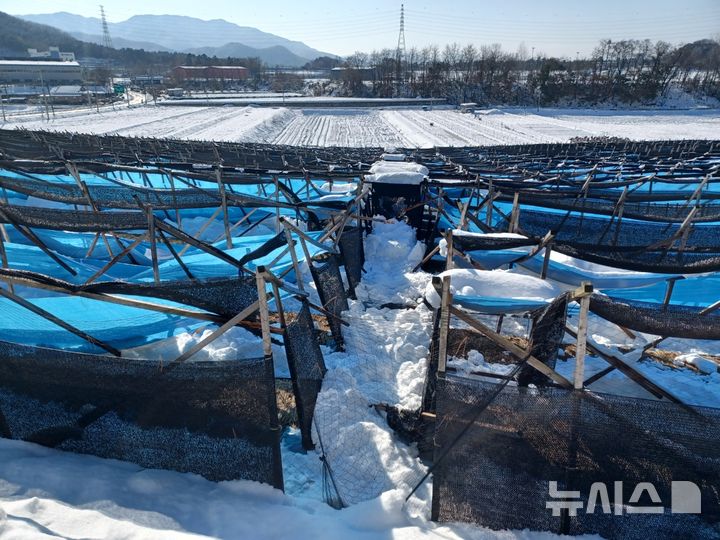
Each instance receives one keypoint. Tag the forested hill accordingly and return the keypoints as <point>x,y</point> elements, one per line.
<point>17,36</point>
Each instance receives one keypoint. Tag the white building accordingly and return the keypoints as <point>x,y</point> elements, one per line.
<point>39,72</point>
<point>53,53</point>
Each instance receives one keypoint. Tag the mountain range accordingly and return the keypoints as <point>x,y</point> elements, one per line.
<point>177,33</point>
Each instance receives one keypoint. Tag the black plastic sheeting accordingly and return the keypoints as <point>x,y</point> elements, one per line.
<point>214,418</point>
<point>353,256</point>
<point>688,261</point>
<point>498,473</point>
<point>546,337</point>
<point>467,242</point>
<point>307,369</point>
<point>652,318</point>
<point>587,230</point>
<point>72,220</point>
<point>329,283</point>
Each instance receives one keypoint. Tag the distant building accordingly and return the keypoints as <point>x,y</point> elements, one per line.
<point>211,73</point>
<point>148,80</point>
<point>52,53</point>
<point>39,72</point>
<point>339,73</point>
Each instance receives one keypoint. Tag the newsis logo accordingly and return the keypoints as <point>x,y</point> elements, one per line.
<point>685,499</point>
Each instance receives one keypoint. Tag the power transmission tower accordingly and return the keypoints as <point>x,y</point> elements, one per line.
<point>400,53</point>
<point>107,42</point>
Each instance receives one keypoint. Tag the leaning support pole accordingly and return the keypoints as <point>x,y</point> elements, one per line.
<point>264,313</point>
<point>223,202</point>
<point>445,301</point>
<point>519,353</point>
<point>582,294</point>
<point>449,264</point>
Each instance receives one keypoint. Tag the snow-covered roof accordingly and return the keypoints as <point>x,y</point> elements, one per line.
<point>37,63</point>
<point>396,172</point>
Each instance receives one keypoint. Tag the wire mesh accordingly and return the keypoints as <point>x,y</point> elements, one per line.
<point>214,418</point>
<point>527,438</point>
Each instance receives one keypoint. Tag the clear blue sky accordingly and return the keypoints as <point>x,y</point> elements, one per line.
<point>555,27</point>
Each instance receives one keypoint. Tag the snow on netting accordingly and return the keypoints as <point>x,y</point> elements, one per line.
<point>498,447</point>
<point>214,418</point>
<point>378,376</point>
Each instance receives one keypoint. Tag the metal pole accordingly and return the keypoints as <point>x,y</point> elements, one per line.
<point>2,103</point>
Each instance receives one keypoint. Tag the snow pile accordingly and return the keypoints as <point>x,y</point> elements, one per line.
<point>475,362</point>
<point>702,364</point>
<point>391,252</point>
<point>397,172</point>
<point>235,344</point>
<point>392,157</point>
<point>384,363</point>
<point>338,187</point>
<point>51,494</point>
<point>493,283</point>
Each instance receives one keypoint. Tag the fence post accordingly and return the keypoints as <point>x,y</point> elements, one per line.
<point>445,301</point>
<point>583,295</point>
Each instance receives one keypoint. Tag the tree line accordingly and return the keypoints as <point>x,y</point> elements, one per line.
<point>629,71</point>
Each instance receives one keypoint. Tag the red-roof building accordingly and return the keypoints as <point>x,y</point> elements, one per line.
<point>211,73</point>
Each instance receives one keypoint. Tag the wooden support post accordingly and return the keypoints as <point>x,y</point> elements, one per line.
<point>449,264</point>
<point>293,254</point>
<point>445,302</point>
<point>309,239</point>
<point>627,370</point>
<point>429,256</point>
<point>245,218</point>
<point>170,247</point>
<point>517,352</point>
<point>546,260</point>
<point>244,314</point>
<point>223,202</point>
<point>668,291</point>
<point>153,245</point>
<point>489,211</point>
<point>264,314</point>
<point>582,294</point>
<point>5,264</point>
<point>178,218</point>
<point>114,260</point>
<point>515,214</point>
<point>277,204</point>
<point>4,233</point>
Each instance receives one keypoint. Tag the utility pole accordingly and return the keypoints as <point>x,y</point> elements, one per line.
<point>2,103</point>
<point>400,53</point>
<point>44,96</point>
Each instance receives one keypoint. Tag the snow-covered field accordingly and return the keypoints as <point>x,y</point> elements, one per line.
<point>398,127</point>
